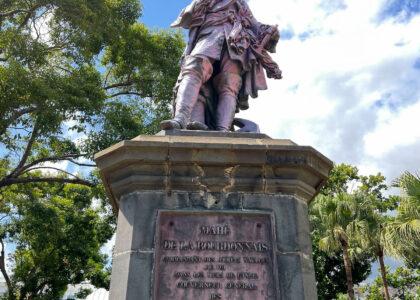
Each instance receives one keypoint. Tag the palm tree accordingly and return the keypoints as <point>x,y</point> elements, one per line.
<point>370,233</point>
<point>381,234</point>
<point>402,235</point>
<point>336,219</point>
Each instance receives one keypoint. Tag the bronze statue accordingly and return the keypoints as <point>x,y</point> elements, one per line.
<point>223,64</point>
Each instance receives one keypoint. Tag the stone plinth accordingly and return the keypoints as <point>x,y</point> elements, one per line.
<point>220,175</point>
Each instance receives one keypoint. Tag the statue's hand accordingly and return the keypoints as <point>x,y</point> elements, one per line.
<point>275,74</point>
<point>274,39</point>
<point>269,37</point>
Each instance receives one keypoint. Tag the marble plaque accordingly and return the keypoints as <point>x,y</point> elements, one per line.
<point>215,256</point>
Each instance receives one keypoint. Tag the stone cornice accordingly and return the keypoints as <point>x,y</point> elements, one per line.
<point>209,162</point>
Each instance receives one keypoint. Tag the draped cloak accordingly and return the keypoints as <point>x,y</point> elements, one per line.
<point>216,26</point>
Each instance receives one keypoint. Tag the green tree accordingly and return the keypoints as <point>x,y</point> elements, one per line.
<point>337,216</point>
<point>342,179</point>
<point>58,235</point>
<point>402,235</point>
<point>329,266</point>
<point>374,217</point>
<point>331,274</point>
<point>75,77</point>
<point>64,66</point>
<point>370,234</point>
<point>404,282</point>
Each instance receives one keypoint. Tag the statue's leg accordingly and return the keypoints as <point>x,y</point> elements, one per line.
<point>227,83</point>
<point>195,72</point>
<point>198,117</point>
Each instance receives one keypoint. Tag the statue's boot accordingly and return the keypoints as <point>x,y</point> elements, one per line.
<point>228,86</point>
<point>188,91</point>
<point>194,125</point>
<point>198,118</point>
<point>170,124</point>
<point>225,112</point>
<point>195,72</point>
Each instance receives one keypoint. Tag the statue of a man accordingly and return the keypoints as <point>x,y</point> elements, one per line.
<point>223,64</point>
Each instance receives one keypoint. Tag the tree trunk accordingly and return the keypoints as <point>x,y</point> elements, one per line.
<point>347,266</point>
<point>383,274</point>
<point>4,272</point>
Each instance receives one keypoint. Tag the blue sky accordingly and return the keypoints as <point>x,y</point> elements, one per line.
<point>402,9</point>
<point>161,13</point>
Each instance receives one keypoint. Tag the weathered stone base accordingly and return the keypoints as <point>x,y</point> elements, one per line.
<point>134,250</point>
<point>206,173</point>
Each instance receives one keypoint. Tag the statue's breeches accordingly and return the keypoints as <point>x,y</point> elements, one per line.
<point>227,83</point>
<point>198,66</point>
<point>210,42</point>
<point>229,80</point>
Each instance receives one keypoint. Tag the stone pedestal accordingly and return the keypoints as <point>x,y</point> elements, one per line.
<point>156,182</point>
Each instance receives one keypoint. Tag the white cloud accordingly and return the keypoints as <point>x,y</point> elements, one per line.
<point>350,87</point>
<point>393,130</point>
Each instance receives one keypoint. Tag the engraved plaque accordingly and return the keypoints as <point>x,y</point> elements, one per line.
<point>215,256</point>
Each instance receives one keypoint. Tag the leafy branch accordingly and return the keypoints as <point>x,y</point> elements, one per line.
<point>124,93</point>
<point>50,168</point>
<point>29,14</point>
<point>16,114</point>
<point>14,177</point>
<point>27,151</point>
<point>24,167</point>
<point>11,181</point>
<point>4,15</point>
<point>117,85</point>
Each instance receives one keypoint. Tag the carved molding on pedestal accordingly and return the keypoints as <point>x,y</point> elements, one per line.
<point>186,161</point>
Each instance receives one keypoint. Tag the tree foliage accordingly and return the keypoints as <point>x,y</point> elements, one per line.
<point>64,66</point>
<point>354,214</point>
<point>58,236</point>
<point>76,76</point>
<point>330,272</point>
<point>373,219</point>
<point>402,235</point>
<point>337,217</point>
<point>333,215</point>
<point>404,284</point>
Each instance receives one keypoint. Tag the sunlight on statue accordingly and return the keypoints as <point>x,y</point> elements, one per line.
<point>223,64</point>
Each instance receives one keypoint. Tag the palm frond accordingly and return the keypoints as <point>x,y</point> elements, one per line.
<point>410,184</point>
<point>329,245</point>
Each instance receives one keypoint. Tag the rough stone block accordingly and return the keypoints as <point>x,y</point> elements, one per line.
<point>292,223</point>
<point>131,276</point>
<point>233,201</point>
<point>296,277</point>
<point>120,276</point>
<point>138,212</point>
<point>290,277</point>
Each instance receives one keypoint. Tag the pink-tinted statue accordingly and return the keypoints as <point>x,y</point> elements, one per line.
<point>223,64</point>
